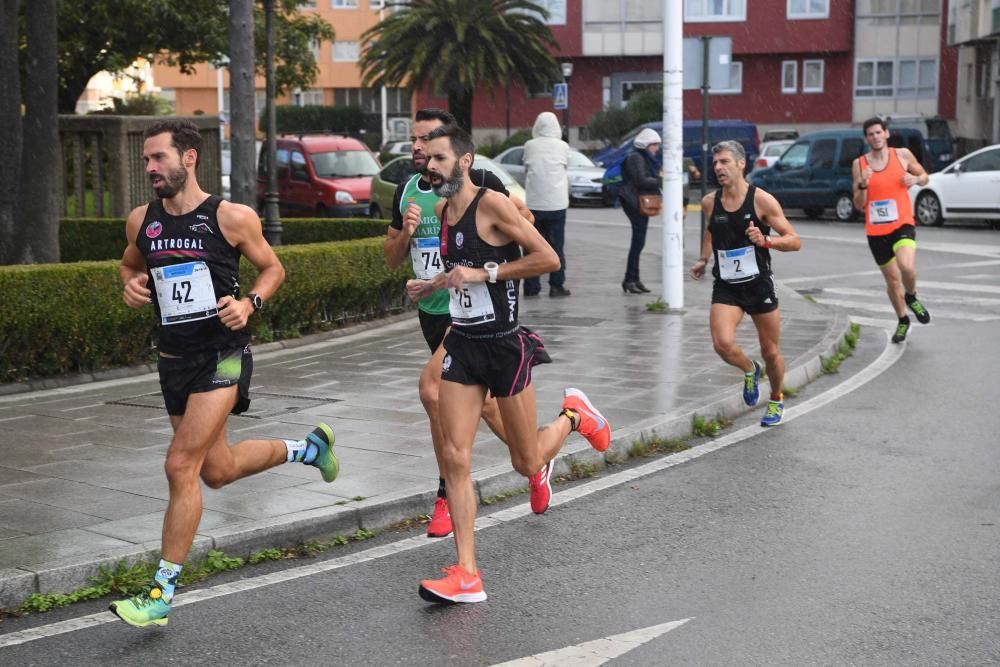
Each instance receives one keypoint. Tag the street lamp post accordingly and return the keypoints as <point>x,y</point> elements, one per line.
<point>567,72</point>
<point>272,225</point>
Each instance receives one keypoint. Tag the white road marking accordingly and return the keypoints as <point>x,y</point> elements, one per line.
<point>890,355</point>
<point>950,299</point>
<point>882,307</point>
<point>598,651</point>
<point>876,272</point>
<point>961,287</point>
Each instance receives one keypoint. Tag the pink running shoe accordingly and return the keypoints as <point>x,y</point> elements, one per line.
<point>592,424</point>
<point>541,489</point>
<point>440,525</point>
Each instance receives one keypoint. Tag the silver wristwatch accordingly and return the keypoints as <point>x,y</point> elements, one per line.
<point>491,270</point>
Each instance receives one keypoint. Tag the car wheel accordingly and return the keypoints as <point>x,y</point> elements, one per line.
<point>928,209</point>
<point>813,212</point>
<point>375,213</point>
<point>844,210</point>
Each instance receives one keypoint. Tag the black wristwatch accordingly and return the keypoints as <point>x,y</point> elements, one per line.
<point>255,301</point>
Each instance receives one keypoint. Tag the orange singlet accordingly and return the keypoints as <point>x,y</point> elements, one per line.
<point>888,206</point>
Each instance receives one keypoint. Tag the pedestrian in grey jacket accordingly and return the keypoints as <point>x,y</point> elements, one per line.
<point>546,185</point>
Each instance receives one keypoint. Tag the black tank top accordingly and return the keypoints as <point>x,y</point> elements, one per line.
<point>167,241</point>
<point>479,309</point>
<point>729,232</point>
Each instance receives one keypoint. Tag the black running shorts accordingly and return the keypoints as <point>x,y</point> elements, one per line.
<point>182,376</point>
<point>434,328</point>
<point>884,247</point>
<point>754,297</point>
<point>503,365</point>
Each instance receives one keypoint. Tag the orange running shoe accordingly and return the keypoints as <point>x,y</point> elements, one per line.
<point>592,425</point>
<point>456,586</point>
<point>440,525</point>
<point>541,489</point>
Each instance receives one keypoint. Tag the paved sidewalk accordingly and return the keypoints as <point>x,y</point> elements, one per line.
<point>82,483</point>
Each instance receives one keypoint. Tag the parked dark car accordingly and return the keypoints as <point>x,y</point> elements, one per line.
<point>814,173</point>
<point>938,142</point>
<point>742,131</point>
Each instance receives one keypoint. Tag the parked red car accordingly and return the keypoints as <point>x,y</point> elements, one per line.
<point>320,175</point>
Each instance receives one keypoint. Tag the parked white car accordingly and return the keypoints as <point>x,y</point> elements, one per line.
<point>770,151</point>
<point>968,188</point>
<point>584,176</point>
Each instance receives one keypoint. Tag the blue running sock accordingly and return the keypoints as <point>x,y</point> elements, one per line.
<point>166,578</point>
<point>301,451</point>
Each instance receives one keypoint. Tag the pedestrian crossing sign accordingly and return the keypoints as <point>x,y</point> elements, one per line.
<point>560,96</point>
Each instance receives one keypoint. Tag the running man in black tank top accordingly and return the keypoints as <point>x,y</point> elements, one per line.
<point>741,218</point>
<point>486,348</point>
<point>182,258</point>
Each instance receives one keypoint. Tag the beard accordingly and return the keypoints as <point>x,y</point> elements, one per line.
<point>172,182</point>
<point>448,187</point>
<point>421,166</point>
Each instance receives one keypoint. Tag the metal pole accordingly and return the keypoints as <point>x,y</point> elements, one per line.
<point>673,155</point>
<point>385,112</point>
<point>705,39</point>
<point>272,224</point>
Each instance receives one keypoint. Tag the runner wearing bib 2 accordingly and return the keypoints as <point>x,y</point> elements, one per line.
<point>741,218</point>
<point>182,256</point>
<point>882,179</point>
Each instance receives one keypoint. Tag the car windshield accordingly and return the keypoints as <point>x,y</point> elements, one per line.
<point>344,164</point>
<point>579,160</point>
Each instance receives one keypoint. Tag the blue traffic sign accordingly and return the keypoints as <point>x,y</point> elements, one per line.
<point>560,96</point>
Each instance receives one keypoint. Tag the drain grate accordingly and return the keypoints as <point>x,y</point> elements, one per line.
<point>263,404</point>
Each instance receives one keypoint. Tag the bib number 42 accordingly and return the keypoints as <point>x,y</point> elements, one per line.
<point>182,292</point>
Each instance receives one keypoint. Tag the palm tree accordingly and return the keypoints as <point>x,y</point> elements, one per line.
<point>456,45</point>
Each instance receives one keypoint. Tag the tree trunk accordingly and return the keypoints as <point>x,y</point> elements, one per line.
<point>460,105</point>
<point>42,170</point>
<point>10,127</point>
<point>243,177</point>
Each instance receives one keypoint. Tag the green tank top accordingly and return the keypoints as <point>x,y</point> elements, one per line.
<point>425,244</point>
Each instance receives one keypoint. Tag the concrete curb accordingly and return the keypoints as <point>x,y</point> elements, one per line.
<point>16,585</point>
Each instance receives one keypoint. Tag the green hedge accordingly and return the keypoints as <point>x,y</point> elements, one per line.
<point>97,239</point>
<point>70,318</point>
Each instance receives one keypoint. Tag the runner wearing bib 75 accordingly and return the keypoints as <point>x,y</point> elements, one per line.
<point>741,218</point>
<point>882,179</point>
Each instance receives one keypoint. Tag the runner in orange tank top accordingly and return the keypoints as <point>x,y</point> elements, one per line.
<point>882,179</point>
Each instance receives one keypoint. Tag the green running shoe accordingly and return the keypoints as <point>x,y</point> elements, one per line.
<point>918,309</point>
<point>774,414</point>
<point>145,609</point>
<point>322,437</point>
<point>901,330</point>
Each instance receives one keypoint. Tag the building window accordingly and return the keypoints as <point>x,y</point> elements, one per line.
<point>345,51</point>
<point>715,10</point>
<point>812,76</point>
<point>808,9</point>
<point>899,12</point>
<point>905,77</point>
<point>735,86</point>
<point>789,76</point>
<point>556,9</point>
<point>302,98</point>
<point>916,77</point>
<point>370,99</point>
<point>344,4</point>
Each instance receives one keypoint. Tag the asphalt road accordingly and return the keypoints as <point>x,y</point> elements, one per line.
<point>863,531</point>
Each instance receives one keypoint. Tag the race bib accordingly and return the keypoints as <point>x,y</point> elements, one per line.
<point>882,212</point>
<point>184,292</point>
<point>471,304</point>
<point>425,254</point>
<point>737,266</point>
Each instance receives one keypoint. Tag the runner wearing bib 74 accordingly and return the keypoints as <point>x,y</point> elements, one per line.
<point>741,218</point>
<point>882,179</point>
